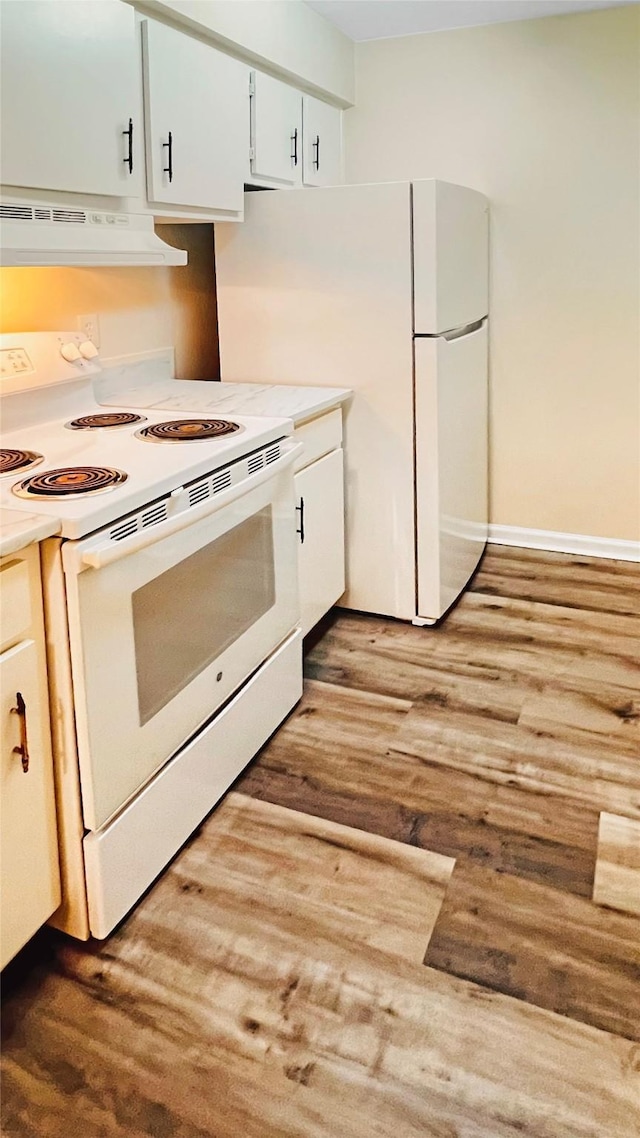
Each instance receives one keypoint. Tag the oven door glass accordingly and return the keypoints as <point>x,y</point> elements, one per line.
<point>161,637</point>
<point>207,602</point>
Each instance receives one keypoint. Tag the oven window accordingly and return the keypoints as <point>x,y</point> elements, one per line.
<point>185,618</point>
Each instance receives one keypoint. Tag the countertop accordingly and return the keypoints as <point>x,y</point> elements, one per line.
<point>296,403</point>
<point>18,529</point>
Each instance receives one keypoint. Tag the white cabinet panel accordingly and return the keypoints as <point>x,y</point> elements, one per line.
<point>195,121</point>
<point>70,90</point>
<point>319,490</point>
<point>276,130</point>
<point>451,465</point>
<point>322,127</point>
<point>29,857</point>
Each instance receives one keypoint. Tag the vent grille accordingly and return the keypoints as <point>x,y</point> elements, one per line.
<point>197,492</point>
<point>155,515</point>
<point>255,462</point>
<point>22,212</point>
<point>118,533</point>
<point>17,212</point>
<point>74,215</point>
<point>220,481</point>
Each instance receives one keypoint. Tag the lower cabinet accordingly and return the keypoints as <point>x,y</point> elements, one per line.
<point>29,870</point>
<point>319,490</point>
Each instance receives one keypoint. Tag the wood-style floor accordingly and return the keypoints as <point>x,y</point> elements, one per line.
<point>388,928</point>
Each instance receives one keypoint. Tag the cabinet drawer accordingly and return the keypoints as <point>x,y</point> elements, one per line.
<point>15,600</point>
<point>319,437</point>
<point>28,843</point>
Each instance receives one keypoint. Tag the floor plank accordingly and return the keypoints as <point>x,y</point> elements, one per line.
<point>544,838</point>
<point>540,945</point>
<point>366,888</point>
<point>587,583</point>
<point>617,872</point>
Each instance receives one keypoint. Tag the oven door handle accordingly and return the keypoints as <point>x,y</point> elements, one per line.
<point>97,556</point>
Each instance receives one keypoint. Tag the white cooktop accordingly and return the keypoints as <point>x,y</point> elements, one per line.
<point>153,469</point>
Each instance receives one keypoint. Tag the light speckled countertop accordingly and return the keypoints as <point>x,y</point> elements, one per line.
<point>18,529</point>
<point>296,403</point>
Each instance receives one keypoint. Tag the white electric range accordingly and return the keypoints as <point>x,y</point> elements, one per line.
<point>171,610</point>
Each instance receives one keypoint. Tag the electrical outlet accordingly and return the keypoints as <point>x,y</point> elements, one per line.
<point>89,325</point>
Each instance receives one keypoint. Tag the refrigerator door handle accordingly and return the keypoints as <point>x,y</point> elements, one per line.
<point>464,330</point>
<point>453,333</point>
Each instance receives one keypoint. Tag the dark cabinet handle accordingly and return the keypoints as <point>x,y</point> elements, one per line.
<point>316,146</point>
<point>168,169</point>
<point>294,143</point>
<point>300,510</point>
<point>23,749</point>
<point>128,161</point>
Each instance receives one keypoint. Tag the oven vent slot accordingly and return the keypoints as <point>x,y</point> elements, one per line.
<point>199,493</point>
<point>41,214</point>
<point>272,453</point>
<point>125,529</point>
<point>255,462</point>
<point>155,515</point>
<point>220,481</point>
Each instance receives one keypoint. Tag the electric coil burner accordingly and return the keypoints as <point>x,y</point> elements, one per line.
<point>70,481</point>
<point>188,430</point>
<point>104,421</point>
<point>12,460</point>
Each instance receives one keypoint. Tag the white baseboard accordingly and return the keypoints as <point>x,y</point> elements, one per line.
<point>565,542</point>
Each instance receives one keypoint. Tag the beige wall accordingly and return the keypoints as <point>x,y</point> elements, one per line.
<point>138,309</point>
<point>543,117</point>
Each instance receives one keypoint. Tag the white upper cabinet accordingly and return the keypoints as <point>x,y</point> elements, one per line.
<point>195,122</point>
<point>276,131</point>
<point>322,154</point>
<point>71,115</point>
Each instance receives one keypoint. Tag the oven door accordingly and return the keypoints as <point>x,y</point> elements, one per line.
<point>167,622</point>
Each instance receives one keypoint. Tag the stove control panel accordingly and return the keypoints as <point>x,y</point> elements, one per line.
<point>14,361</point>
<point>41,359</point>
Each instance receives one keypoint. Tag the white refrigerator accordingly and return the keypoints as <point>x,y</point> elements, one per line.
<point>382,288</point>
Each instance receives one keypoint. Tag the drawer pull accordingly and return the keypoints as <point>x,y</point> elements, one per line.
<point>23,749</point>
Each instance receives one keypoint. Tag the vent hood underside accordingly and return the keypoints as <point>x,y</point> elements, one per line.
<point>63,236</point>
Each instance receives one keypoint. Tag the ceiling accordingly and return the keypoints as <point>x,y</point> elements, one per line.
<point>382,19</point>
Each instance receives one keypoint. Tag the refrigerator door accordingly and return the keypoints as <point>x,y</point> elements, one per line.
<point>315,288</point>
<point>450,249</point>
<point>451,465</point>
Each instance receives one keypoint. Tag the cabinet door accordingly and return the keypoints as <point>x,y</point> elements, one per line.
<point>30,876</point>
<point>70,86</point>
<point>195,121</point>
<point>322,130</point>
<point>276,130</point>
<point>319,490</point>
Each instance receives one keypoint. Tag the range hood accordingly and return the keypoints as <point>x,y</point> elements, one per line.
<point>71,235</point>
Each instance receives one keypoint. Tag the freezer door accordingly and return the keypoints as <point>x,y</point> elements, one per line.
<point>451,465</point>
<point>450,249</point>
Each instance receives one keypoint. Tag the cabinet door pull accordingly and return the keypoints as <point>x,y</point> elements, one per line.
<point>128,161</point>
<point>294,143</point>
<point>169,147</point>
<point>23,749</point>
<point>300,510</point>
<point>316,146</point>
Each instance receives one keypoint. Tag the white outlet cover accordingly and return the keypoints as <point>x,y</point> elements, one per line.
<point>89,325</point>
